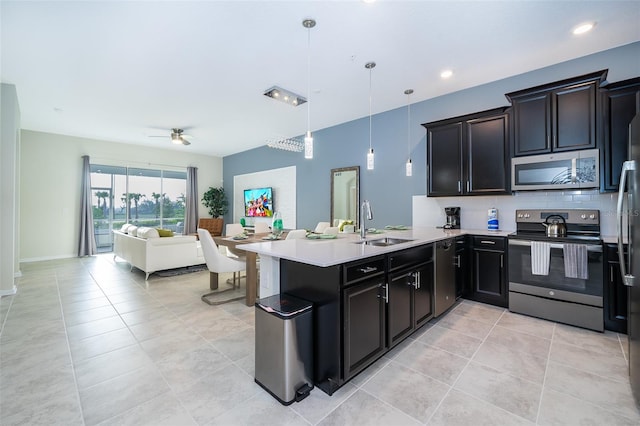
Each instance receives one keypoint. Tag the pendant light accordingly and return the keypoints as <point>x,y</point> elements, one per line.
<point>308,139</point>
<point>370,162</point>
<point>409,166</point>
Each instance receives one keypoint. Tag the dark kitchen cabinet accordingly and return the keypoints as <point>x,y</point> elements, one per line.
<point>469,155</point>
<point>620,103</point>
<point>410,292</point>
<point>489,278</point>
<point>364,297</point>
<point>364,324</point>
<point>444,159</point>
<point>615,293</point>
<point>356,308</point>
<point>559,116</point>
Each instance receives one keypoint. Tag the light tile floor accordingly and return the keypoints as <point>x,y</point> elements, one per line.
<point>86,342</point>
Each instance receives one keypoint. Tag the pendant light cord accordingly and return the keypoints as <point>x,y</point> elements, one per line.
<point>409,125</point>
<point>309,80</point>
<point>370,108</point>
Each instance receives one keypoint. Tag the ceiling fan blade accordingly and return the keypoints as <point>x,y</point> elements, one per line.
<point>185,142</point>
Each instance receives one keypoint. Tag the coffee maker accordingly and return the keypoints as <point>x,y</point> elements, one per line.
<point>453,217</point>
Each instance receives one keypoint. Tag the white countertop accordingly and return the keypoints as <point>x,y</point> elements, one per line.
<point>345,249</point>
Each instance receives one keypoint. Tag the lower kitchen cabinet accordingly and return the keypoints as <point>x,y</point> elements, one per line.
<point>615,293</point>
<point>489,277</point>
<point>364,324</point>
<point>361,309</point>
<point>410,301</point>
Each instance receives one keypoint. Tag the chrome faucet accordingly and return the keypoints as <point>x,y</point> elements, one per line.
<point>365,209</point>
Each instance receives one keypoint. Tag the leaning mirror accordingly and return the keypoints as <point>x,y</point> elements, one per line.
<point>345,194</point>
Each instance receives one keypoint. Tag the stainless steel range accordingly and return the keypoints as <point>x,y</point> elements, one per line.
<point>556,266</point>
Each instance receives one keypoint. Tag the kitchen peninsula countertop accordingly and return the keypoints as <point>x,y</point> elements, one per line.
<point>345,248</point>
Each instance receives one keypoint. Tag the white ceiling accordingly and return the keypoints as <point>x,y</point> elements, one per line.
<point>121,71</point>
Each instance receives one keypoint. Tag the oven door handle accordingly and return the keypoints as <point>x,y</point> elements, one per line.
<point>627,278</point>
<point>527,243</point>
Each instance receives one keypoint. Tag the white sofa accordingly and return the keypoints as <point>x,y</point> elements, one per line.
<point>150,253</point>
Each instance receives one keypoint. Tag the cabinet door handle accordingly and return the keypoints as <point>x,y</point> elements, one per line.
<point>386,293</point>
<point>456,263</point>
<point>419,276</point>
<point>487,242</point>
<point>468,186</point>
<point>459,186</point>
<point>501,261</point>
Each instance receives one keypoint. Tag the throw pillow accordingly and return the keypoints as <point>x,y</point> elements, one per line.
<point>144,232</point>
<point>125,227</point>
<point>165,232</point>
<point>132,230</point>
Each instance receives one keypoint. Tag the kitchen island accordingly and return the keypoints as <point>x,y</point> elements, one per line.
<point>367,298</point>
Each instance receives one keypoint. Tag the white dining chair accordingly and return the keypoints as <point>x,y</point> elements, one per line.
<point>234,229</point>
<point>333,230</point>
<point>296,234</point>
<point>321,226</point>
<point>261,228</point>
<point>217,263</point>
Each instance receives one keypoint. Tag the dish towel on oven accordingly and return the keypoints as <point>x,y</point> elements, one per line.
<point>575,261</point>
<point>540,252</point>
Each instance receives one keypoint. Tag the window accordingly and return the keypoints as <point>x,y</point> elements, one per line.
<point>144,197</point>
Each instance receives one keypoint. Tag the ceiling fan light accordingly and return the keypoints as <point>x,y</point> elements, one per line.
<point>583,28</point>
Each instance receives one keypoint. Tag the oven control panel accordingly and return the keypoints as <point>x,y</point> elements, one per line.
<point>577,216</point>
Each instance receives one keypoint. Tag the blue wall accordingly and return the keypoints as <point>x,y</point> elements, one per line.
<point>387,188</point>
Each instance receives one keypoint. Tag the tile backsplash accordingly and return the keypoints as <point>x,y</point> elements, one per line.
<point>429,211</point>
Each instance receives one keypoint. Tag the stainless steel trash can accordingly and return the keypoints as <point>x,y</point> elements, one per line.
<point>284,347</point>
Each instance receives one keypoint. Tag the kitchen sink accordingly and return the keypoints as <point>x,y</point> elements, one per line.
<point>384,242</point>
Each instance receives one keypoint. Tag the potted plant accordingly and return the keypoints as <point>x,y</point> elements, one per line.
<point>215,200</point>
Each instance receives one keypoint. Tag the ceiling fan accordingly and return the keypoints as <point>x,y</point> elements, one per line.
<point>177,137</point>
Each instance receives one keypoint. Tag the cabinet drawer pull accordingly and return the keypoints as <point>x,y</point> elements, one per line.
<point>487,242</point>
<point>367,269</point>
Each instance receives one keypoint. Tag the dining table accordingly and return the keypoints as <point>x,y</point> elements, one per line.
<point>251,259</point>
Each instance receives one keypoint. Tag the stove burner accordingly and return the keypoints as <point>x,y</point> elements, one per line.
<point>536,236</point>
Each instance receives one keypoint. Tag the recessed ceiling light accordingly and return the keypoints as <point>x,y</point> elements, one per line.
<point>369,1</point>
<point>583,28</point>
<point>446,74</point>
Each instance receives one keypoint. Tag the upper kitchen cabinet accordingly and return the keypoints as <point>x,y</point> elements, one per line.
<point>558,116</point>
<point>620,103</point>
<point>469,155</point>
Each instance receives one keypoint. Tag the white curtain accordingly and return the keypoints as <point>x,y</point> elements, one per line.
<point>191,209</point>
<point>87,243</point>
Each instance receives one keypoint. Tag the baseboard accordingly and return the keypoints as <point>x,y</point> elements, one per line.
<point>9,292</point>
<point>44,258</point>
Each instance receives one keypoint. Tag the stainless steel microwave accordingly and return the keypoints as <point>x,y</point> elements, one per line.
<point>563,170</point>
